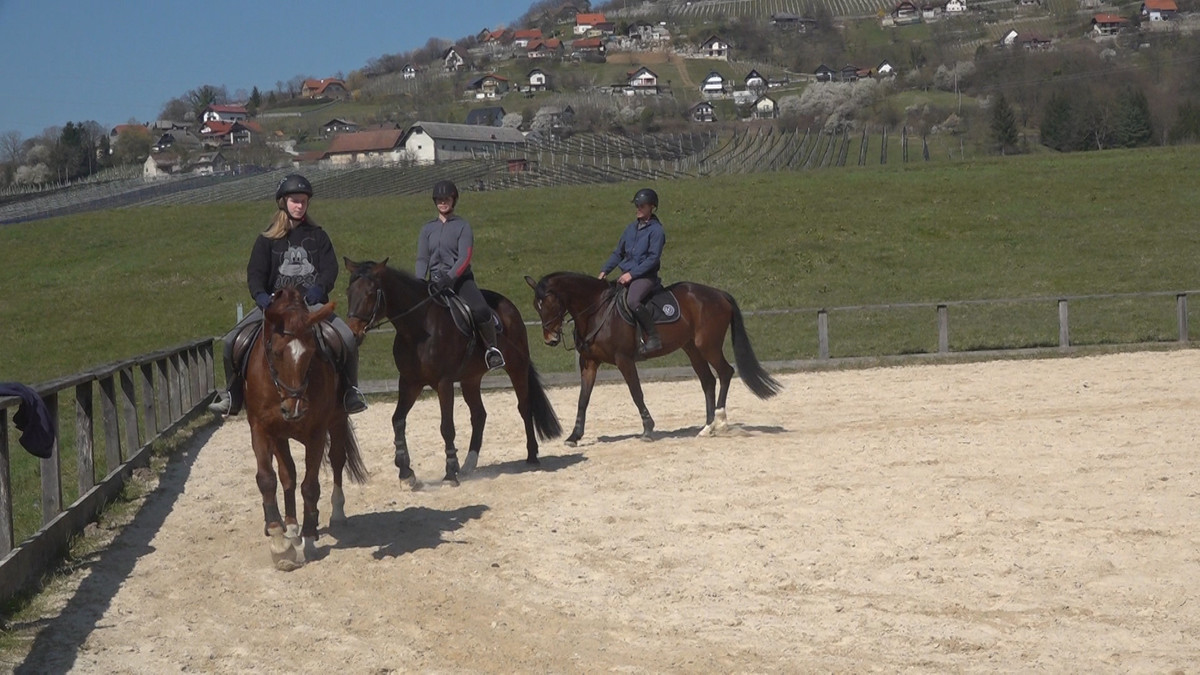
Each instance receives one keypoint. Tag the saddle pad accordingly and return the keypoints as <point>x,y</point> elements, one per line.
<point>662,301</point>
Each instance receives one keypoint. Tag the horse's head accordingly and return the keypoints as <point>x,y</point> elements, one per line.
<point>291,344</point>
<point>365,295</point>
<point>551,309</point>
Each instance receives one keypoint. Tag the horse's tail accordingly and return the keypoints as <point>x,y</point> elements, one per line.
<point>545,421</point>
<point>749,369</point>
<point>343,433</point>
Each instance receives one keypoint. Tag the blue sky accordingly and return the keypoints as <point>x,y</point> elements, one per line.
<point>79,60</point>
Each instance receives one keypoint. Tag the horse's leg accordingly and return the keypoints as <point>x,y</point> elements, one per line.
<point>708,383</point>
<point>404,402</point>
<point>310,492</point>
<point>587,380</point>
<point>337,462</point>
<point>445,391</point>
<point>716,358</point>
<point>474,401</point>
<point>285,554</point>
<point>628,369</point>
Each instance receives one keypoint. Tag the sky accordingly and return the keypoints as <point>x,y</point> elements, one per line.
<point>112,62</point>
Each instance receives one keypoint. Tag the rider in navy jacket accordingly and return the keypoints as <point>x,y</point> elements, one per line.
<point>639,255</point>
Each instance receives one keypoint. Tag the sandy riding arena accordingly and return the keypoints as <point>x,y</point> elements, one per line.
<point>1002,516</point>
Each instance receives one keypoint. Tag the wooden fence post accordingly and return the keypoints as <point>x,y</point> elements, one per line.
<point>822,334</point>
<point>1064,329</point>
<point>50,469</point>
<point>85,438</point>
<point>1181,312</point>
<point>6,515</point>
<point>943,314</point>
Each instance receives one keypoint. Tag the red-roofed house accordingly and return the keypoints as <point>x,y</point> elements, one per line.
<point>522,38</point>
<point>545,49</point>
<point>229,133</point>
<point>586,46</point>
<point>585,22</point>
<point>330,87</point>
<point>1159,10</point>
<point>374,147</point>
<point>1108,24</point>
<point>224,113</point>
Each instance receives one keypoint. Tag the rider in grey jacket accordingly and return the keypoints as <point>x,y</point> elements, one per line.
<point>444,250</point>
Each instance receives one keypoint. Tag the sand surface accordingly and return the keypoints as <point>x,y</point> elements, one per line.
<point>1000,516</point>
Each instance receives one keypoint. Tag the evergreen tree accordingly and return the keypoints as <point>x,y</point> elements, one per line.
<point>1004,125</point>
<point>255,102</point>
<point>1058,129</point>
<point>1187,123</point>
<point>1133,127</point>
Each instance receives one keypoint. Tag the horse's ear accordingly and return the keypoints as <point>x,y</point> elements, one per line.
<point>351,266</point>
<point>529,280</point>
<point>382,267</point>
<point>321,314</point>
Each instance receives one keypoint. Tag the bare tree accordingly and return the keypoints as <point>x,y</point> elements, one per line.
<point>11,148</point>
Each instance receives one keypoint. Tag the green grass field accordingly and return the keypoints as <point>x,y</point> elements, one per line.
<point>90,289</point>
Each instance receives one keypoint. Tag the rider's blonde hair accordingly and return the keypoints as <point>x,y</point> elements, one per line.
<point>280,226</point>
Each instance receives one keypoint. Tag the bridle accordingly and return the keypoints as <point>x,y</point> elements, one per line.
<point>293,393</point>
<point>606,298</point>
<point>372,322</point>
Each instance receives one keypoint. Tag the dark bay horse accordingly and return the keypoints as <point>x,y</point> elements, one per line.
<point>601,336</point>
<point>430,350</point>
<point>292,393</point>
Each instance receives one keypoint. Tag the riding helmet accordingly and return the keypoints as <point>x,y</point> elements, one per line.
<point>645,196</point>
<point>445,188</point>
<point>293,184</point>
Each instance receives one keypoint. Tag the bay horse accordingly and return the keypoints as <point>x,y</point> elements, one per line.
<point>601,336</point>
<point>430,350</point>
<point>292,393</point>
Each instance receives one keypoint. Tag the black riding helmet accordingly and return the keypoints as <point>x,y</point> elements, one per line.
<point>445,188</point>
<point>645,196</point>
<point>292,184</point>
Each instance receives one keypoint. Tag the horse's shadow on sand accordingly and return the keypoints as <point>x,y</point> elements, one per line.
<point>735,431</point>
<point>395,533</point>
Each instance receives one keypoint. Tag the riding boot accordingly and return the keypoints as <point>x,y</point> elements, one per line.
<point>645,317</point>
<point>229,402</point>
<point>492,356</point>
<point>353,400</point>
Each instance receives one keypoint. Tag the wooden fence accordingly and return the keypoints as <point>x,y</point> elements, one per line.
<point>140,400</point>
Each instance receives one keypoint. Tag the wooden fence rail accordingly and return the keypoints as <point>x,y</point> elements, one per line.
<point>141,400</point>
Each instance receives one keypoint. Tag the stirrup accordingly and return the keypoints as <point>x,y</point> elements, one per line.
<point>222,404</point>
<point>493,358</point>
<point>649,346</point>
<point>353,401</point>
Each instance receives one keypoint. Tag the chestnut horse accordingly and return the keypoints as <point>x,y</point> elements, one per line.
<point>292,392</point>
<point>430,350</point>
<point>601,336</point>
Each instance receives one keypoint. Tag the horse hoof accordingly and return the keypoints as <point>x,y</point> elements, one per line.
<point>287,549</point>
<point>646,438</point>
<point>706,431</point>
<point>451,480</point>
<point>412,482</point>
<point>570,442</point>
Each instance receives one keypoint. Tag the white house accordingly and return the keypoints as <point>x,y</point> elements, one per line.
<point>755,81</point>
<point>538,81</point>
<point>885,69</point>
<point>409,71</point>
<point>430,142</point>
<point>713,85</point>
<point>452,60</point>
<point>224,113</point>
<point>956,6</point>
<point>765,108</point>
<point>379,146</point>
<point>715,48</point>
<point>643,78</point>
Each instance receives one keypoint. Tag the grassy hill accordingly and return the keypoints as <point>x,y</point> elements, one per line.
<point>93,288</point>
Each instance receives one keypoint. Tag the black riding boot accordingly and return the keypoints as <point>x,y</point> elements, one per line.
<point>645,317</point>
<point>229,401</point>
<point>492,356</point>
<point>353,400</point>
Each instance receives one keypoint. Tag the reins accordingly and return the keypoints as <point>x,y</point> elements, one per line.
<point>371,325</point>
<point>608,297</point>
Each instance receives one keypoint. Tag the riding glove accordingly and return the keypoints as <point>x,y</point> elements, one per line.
<point>315,295</point>
<point>262,300</point>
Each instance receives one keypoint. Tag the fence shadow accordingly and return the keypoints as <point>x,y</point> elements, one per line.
<point>59,639</point>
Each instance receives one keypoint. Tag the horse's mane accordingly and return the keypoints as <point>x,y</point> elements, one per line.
<point>568,277</point>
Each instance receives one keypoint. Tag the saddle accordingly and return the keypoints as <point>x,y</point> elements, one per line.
<point>460,311</point>
<point>662,301</point>
<point>327,339</point>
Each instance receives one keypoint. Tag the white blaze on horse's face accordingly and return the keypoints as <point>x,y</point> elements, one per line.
<point>297,349</point>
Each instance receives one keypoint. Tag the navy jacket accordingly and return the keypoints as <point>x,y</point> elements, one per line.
<point>639,251</point>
